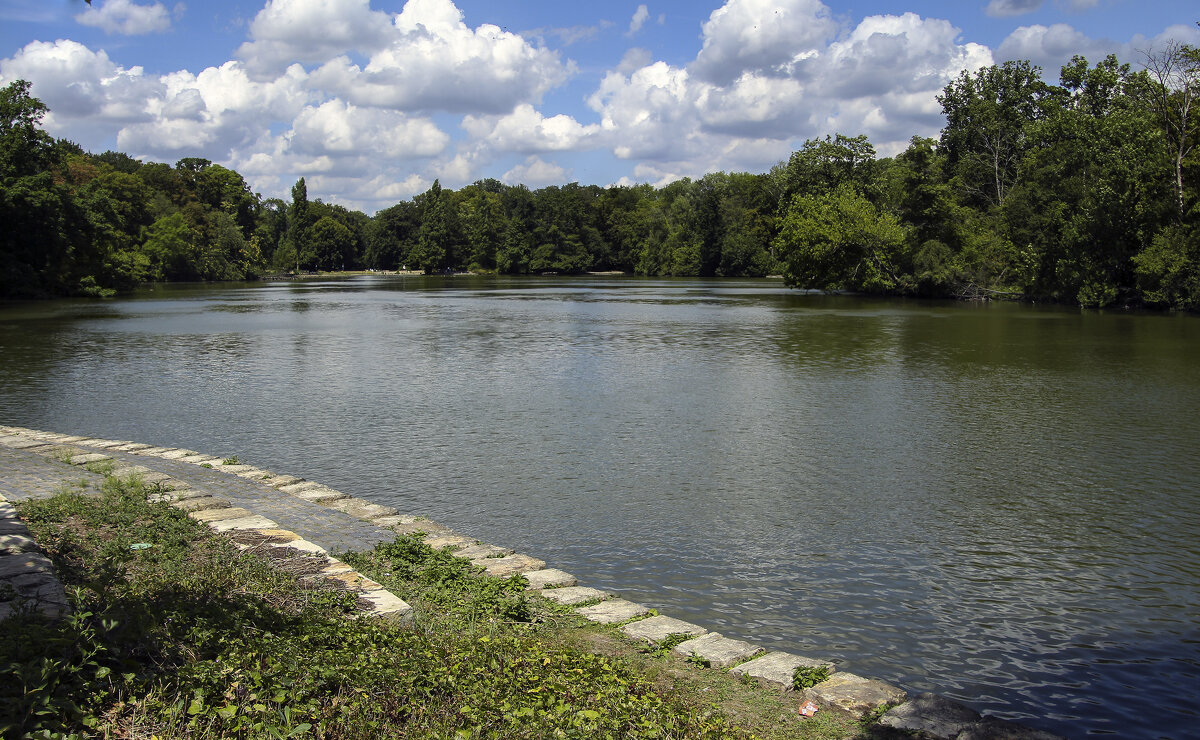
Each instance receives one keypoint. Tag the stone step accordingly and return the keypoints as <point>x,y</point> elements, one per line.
<point>610,612</point>
<point>508,565</point>
<point>655,630</point>
<point>718,650</point>
<point>201,503</point>
<point>549,578</point>
<point>777,668</point>
<point>571,595</point>
<point>853,695</point>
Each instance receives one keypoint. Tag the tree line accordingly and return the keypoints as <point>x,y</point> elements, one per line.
<point>1082,192</point>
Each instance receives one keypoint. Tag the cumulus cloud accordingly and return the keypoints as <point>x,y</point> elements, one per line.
<point>1008,8</point>
<point>762,36</point>
<point>739,106</point>
<point>87,92</point>
<point>126,18</point>
<point>535,173</point>
<point>433,61</point>
<point>311,31</point>
<point>1050,47</point>
<point>525,130</point>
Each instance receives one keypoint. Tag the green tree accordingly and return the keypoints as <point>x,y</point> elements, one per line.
<point>988,115</point>
<point>841,241</point>
<point>331,242</point>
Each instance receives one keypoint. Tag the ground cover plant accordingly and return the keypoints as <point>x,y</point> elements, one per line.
<point>176,633</point>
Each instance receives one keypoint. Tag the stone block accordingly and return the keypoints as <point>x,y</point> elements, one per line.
<point>572,595</point>
<point>154,451</point>
<point>353,581</point>
<point>776,668</point>
<point>718,650</point>
<point>23,444</point>
<point>255,474</point>
<point>16,543</point>
<point>178,454</point>
<point>386,604</point>
<point>90,457</point>
<point>181,495</point>
<point>360,508</point>
<point>152,477</point>
<point>992,728</point>
<point>394,519</point>
<point>21,564</point>
<point>509,565</point>
<point>930,716</point>
<point>105,444</point>
<point>195,459</point>
<point>439,541</point>
<point>610,612</point>
<point>132,447</point>
<point>549,578</point>
<point>216,515</point>
<point>301,485</point>
<point>320,495</point>
<point>253,521</point>
<point>201,503</point>
<point>656,629</point>
<point>479,552</point>
<point>235,469</point>
<point>423,526</point>
<point>7,511</point>
<point>853,695</point>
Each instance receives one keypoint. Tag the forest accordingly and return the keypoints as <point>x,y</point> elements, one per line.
<point>1083,192</point>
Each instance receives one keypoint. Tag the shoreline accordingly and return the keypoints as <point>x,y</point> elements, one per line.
<point>839,691</point>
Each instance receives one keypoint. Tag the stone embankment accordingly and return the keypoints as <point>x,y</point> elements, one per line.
<point>296,523</point>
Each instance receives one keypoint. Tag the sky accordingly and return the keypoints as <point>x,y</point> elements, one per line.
<point>372,100</point>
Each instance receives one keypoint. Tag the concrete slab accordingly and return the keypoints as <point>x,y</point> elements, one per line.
<point>216,515</point>
<point>507,566</point>
<point>235,468</point>
<point>16,543</point>
<point>394,519</point>
<point>572,595</point>
<point>90,457</point>
<point>549,578</point>
<point>128,471</point>
<point>480,552</point>
<point>386,604</point>
<point>718,650</point>
<point>931,716</point>
<point>610,612</point>
<point>853,695</point>
<point>7,510</point>
<point>255,474</point>
<point>321,495</point>
<point>278,481</point>
<point>360,508</point>
<point>177,454</point>
<point>439,541</point>
<point>776,668</point>
<point>656,629</point>
<point>253,521</point>
<point>301,485</point>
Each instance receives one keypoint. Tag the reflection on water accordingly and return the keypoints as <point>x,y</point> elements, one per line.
<point>994,502</point>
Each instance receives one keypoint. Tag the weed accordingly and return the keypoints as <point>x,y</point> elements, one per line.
<point>231,460</point>
<point>805,677</point>
<point>206,465</point>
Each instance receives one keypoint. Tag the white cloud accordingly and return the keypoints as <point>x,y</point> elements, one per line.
<point>536,173</point>
<point>639,18</point>
<point>87,93</point>
<point>525,130</point>
<point>763,36</point>
<point>432,61</point>
<point>126,18</point>
<point>339,129</point>
<point>1050,47</point>
<point>1008,8</point>
<point>312,31</point>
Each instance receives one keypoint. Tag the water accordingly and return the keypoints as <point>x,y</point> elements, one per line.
<point>998,503</point>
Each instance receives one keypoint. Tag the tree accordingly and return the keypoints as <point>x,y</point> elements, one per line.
<point>438,236</point>
<point>330,243</point>
<point>25,149</point>
<point>988,115</point>
<point>840,241</point>
<point>1172,94</point>
<point>299,224</point>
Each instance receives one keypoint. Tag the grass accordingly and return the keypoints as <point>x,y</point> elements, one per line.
<point>192,638</point>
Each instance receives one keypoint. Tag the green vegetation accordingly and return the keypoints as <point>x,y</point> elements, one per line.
<point>805,677</point>
<point>176,633</point>
<point>1084,192</point>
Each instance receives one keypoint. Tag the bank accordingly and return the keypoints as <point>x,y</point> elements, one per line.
<point>667,667</point>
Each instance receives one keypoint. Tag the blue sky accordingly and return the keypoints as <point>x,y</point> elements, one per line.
<point>371,100</point>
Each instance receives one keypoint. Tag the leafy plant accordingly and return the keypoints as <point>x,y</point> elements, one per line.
<point>805,677</point>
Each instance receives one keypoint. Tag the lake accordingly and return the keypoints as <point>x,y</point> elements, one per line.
<point>995,502</point>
